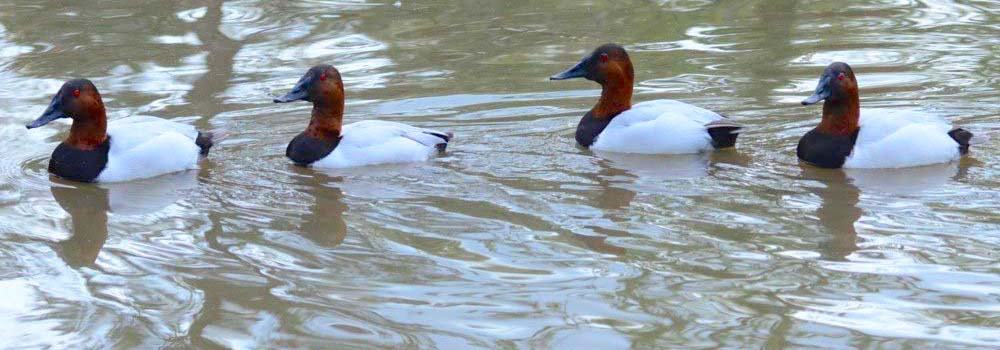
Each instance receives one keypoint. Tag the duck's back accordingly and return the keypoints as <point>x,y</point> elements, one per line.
<point>658,127</point>
<point>134,130</point>
<point>901,138</point>
<point>144,146</point>
<point>378,142</point>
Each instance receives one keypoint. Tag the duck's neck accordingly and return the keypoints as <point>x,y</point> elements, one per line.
<point>616,93</point>
<point>841,115</point>
<point>327,120</point>
<point>89,133</point>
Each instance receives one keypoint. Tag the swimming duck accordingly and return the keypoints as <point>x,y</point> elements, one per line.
<point>878,138</point>
<point>651,127</point>
<point>126,149</point>
<point>327,143</point>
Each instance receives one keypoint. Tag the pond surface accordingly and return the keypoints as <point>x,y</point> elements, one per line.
<point>516,238</point>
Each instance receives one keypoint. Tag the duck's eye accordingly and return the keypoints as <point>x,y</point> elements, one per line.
<point>76,93</point>
<point>604,58</point>
<point>840,77</point>
<point>322,77</point>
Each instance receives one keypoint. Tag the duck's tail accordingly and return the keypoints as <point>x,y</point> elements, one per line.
<point>446,136</point>
<point>207,139</point>
<point>963,137</point>
<point>724,133</point>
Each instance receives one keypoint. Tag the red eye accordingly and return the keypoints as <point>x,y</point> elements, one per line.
<point>840,77</point>
<point>604,58</point>
<point>322,77</point>
<point>76,93</point>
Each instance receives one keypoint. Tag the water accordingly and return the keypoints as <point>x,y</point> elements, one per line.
<point>516,238</point>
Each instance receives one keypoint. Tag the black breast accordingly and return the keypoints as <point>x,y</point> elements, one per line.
<point>75,164</point>
<point>825,150</point>
<point>589,128</point>
<point>305,150</point>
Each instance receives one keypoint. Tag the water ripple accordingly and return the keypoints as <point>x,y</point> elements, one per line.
<point>515,238</point>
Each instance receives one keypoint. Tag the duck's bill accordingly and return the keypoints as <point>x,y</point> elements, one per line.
<point>53,112</point>
<point>299,93</point>
<point>822,92</point>
<point>295,95</point>
<point>815,98</point>
<point>578,71</point>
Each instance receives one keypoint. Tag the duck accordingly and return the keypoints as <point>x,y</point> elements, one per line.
<point>327,143</point>
<point>650,127</point>
<point>848,137</point>
<point>130,148</point>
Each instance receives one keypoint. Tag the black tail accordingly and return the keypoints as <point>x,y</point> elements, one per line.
<point>961,136</point>
<point>204,141</point>
<point>444,136</point>
<point>723,133</point>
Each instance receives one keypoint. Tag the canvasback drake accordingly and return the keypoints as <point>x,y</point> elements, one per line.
<point>126,149</point>
<point>327,143</point>
<point>651,127</point>
<point>878,138</point>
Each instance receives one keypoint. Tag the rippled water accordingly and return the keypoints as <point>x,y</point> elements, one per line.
<point>516,238</point>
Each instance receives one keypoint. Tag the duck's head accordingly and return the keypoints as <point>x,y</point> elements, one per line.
<point>77,99</point>
<point>835,85</point>
<point>321,85</point>
<point>609,61</point>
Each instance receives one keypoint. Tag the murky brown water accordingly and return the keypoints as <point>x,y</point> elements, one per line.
<point>516,238</point>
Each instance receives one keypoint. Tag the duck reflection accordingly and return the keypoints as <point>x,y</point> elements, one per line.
<point>667,167</point>
<point>839,210</point>
<point>89,204</point>
<point>324,223</point>
<point>612,198</point>
<point>611,179</point>
<point>907,180</point>
<point>88,207</point>
<point>621,171</point>
<point>655,167</point>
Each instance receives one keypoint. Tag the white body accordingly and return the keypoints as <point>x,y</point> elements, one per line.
<point>658,127</point>
<point>900,138</point>
<point>144,147</point>
<point>372,142</point>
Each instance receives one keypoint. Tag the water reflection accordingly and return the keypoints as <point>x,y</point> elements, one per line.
<point>324,221</point>
<point>89,204</point>
<point>775,22</point>
<point>611,181</point>
<point>841,194</point>
<point>659,167</point>
<point>909,181</point>
<point>88,207</point>
<point>620,177</point>
<point>204,96</point>
<point>613,198</point>
<point>518,236</point>
<point>838,211</point>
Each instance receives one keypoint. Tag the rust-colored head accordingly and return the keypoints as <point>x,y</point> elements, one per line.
<point>608,62</point>
<point>321,85</point>
<point>836,85</point>
<point>610,66</point>
<point>838,88</point>
<point>78,99</point>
